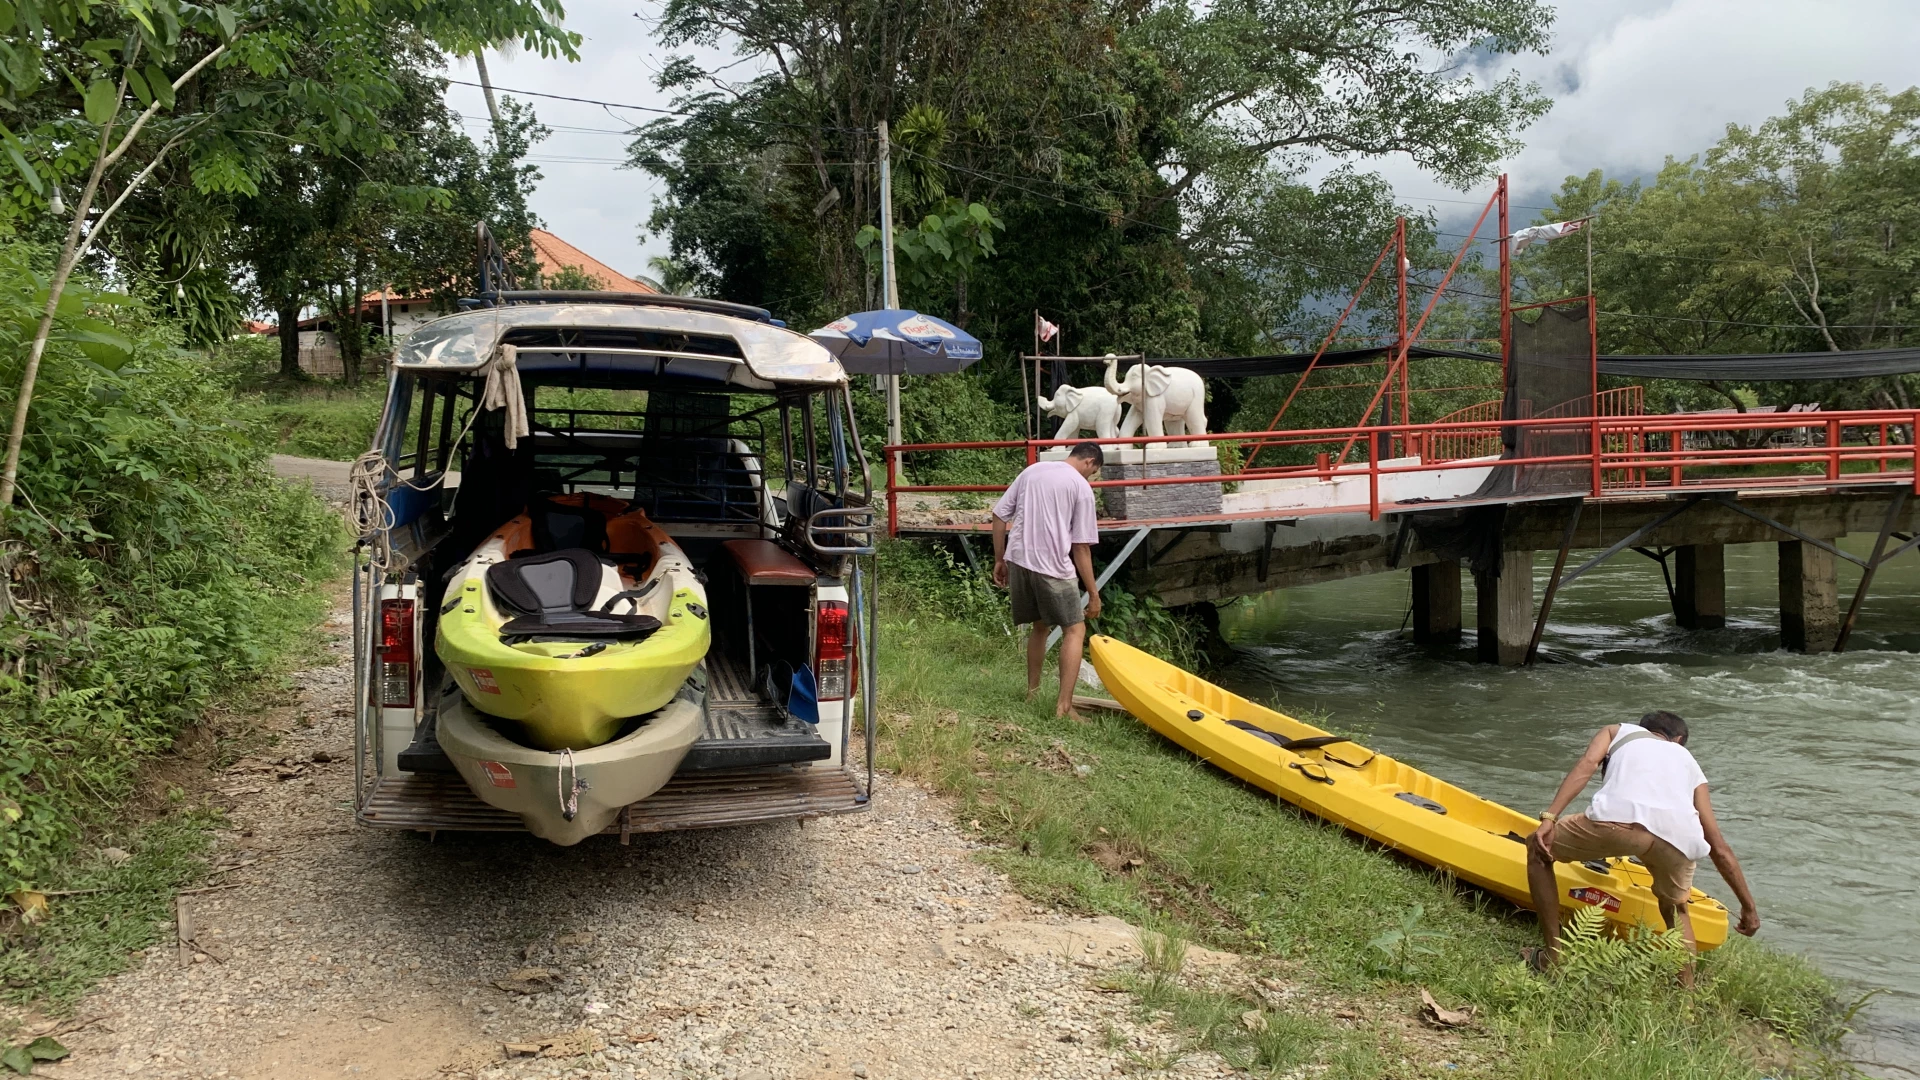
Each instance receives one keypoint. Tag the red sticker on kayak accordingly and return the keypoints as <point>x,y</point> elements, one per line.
<point>501,776</point>
<point>1600,897</point>
<point>483,679</point>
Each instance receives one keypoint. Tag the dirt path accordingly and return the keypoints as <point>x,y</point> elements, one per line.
<point>869,946</point>
<point>329,478</point>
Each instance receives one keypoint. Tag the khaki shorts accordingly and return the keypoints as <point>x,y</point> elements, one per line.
<point>1580,839</point>
<point>1039,598</point>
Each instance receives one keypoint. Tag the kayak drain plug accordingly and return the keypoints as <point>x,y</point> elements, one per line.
<point>1196,715</point>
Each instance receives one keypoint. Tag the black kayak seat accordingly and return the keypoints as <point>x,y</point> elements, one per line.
<point>1314,742</point>
<point>554,594</point>
<point>1420,801</point>
<point>558,526</point>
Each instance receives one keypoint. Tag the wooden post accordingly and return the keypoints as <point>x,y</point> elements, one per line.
<point>1436,603</point>
<point>1700,586</point>
<point>1505,609</point>
<point>1809,598</point>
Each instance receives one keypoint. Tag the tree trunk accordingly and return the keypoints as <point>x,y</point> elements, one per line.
<point>288,312</point>
<point>486,87</point>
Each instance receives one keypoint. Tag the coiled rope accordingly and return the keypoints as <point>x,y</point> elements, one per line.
<point>373,515</point>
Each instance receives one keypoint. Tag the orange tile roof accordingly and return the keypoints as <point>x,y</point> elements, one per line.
<point>555,253</point>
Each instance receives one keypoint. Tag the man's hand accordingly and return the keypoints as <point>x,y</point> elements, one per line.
<point>1000,572</point>
<point>1749,920</point>
<point>1544,835</point>
<point>1093,605</point>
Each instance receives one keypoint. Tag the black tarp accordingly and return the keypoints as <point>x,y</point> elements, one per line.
<point>1766,367</point>
<point>1241,367</point>
<point>1737,367</point>
<point>1550,378</point>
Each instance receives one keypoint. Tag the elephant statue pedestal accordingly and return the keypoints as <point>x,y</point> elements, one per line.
<point>1161,500</point>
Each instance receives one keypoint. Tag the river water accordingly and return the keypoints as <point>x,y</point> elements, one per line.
<point>1814,760</point>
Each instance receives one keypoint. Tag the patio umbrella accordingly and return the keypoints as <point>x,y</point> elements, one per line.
<point>893,342</point>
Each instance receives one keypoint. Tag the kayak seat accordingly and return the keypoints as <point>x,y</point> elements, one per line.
<point>557,526</point>
<point>1296,745</point>
<point>555,594</point>
<point>1420,801</point>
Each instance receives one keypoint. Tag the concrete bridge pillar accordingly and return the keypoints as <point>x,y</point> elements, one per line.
<point>1809,597</point>
<point>1436,603</point>
<point>1700,586</point>
<point>1506,610</point>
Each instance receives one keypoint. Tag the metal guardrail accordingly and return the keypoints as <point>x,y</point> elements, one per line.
<point>1621,455</point>
<point>854,522</point>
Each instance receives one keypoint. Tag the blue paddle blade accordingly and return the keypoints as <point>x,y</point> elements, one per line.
<point>803,702</point>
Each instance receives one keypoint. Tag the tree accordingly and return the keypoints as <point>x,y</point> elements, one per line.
<point>1146,161</point>
<point>1799,234</point>
<point>105,92</point>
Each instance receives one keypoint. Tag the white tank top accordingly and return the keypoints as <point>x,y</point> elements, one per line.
<point>1650,782</point>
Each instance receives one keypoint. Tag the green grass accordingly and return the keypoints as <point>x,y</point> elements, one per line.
<point>93,934</point>
<point>1229,866</point>
<point>318,419</point>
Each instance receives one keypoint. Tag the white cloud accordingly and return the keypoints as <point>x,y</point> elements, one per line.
<point>1633,82</point>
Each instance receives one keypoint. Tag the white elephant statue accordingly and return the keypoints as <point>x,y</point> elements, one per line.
<point>1165,400</point>
<point>1083,408</point>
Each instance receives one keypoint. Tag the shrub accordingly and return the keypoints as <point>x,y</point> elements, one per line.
<point>151,558</point>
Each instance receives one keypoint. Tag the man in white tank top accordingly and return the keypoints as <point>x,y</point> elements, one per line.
<point>1653,806</point>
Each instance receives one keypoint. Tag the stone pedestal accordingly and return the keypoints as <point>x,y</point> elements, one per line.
<point>1506,610</point>
<point>1161,500</point>
<point>1700,586</point>
<point>1809,598</point>
<point>1436,603</point>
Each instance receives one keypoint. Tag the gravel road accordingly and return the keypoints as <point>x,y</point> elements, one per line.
<point>869,946</point>
<point>329,478</point>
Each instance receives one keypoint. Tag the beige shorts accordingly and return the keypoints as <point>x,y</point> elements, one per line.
<point>1580,838</point>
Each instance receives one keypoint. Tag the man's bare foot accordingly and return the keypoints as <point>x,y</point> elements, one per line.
<point>1068,713</point>
<point>1537,958</point>
<point>1032,690</point>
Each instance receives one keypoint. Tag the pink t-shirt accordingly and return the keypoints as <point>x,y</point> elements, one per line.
<point>1050,509</point>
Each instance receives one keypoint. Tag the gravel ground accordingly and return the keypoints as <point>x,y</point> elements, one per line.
<point>868,946</point>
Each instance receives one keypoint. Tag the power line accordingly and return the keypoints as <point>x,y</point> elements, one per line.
<point>649,108</point>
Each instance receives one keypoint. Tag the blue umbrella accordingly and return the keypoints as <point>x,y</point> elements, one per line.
<point>894,342</point>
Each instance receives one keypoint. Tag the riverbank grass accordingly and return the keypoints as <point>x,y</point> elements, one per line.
<point>1108,817</point>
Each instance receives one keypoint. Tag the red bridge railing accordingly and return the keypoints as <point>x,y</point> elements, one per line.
<point>1618,455</point>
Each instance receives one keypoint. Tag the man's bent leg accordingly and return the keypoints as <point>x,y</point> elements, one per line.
<point>1073,640</point>
<point>1036,656</point>
<point>1545,890</point>
<point>1679,915</point>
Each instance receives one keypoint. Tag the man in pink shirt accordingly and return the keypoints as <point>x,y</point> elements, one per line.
<point>1043,537</point>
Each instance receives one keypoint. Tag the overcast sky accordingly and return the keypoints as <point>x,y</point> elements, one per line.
<point>1632,81</point>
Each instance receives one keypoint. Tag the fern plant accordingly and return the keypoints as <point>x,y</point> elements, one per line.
<point>1596,960</point>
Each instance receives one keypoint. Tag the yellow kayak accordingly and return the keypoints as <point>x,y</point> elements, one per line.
<point>1374,795</point>
<point>573,619</point>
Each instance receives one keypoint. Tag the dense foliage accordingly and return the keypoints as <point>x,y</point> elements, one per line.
<point>153,558</point>
<point>269,155</point>
<point>1147,162</point>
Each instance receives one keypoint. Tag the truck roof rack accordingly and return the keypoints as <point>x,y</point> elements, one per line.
<point>572,296</point>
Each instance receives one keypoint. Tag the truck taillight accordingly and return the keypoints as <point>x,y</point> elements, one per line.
<point>830,649</point>
<point>396,654</point>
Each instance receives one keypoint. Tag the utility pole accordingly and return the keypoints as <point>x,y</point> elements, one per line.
<point>889,287</point>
